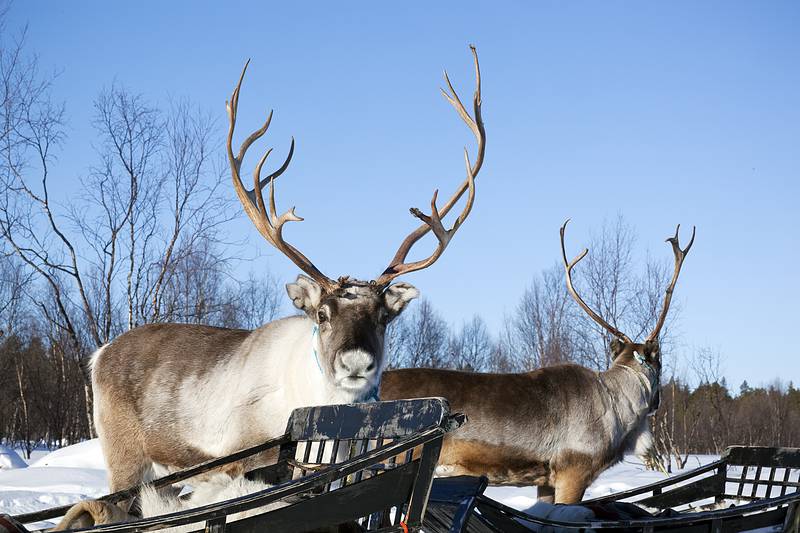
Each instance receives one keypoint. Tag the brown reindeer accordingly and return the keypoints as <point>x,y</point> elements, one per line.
<point>556,427</point>
<point>168,396</point>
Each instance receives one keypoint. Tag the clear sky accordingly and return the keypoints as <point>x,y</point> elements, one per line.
<point>666,112</point>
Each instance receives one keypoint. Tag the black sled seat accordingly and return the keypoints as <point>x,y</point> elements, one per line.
<point>369,466</point>
<point>747,489</point>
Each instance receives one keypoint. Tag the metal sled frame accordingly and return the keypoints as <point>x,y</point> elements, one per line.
<point>764,481</point>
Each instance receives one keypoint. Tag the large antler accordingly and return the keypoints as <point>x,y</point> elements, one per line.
<point>568,266</point>
<point>433,221</point>
<point>270,225</point>
<point>680,255</point>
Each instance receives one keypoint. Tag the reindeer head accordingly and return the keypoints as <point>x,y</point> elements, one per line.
<point>644,356</point>
<point>648,352</point>
<point>349,316</point>
<point>349,326</point>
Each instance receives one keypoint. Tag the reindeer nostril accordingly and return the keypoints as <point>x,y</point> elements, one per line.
<point>371,366</point>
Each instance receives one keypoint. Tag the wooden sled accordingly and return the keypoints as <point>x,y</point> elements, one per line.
<point>747,489</point>
<point>366,465</point>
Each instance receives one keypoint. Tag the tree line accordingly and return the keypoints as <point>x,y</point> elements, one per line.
<point>144,240</point>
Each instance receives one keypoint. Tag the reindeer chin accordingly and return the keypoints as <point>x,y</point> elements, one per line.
<point>353,383</point>
<point>359,389</point>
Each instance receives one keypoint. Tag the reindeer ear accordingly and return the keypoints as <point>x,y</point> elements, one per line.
<point>397,296</point>
<point>652,350</point>
<point>616,346</point>
<point>305,293</point>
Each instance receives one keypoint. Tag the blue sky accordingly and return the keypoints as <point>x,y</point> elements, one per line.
<point>664,112</point>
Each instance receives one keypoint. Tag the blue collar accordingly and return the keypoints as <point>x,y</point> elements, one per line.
<point>314,340</point>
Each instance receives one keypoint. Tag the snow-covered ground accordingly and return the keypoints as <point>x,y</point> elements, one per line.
<point>62,477</point>
<point>78,472</point>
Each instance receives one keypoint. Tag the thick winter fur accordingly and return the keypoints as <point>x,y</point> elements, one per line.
<point>169,396</point>
<point>555,427</point>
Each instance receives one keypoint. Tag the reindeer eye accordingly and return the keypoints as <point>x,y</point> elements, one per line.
<point>322,316</point>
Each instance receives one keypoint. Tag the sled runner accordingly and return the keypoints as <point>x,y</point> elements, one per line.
<point>747,489</point>
<point>369,466</point>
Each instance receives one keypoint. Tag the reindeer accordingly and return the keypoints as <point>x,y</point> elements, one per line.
<point>168,396</point>
<point>556,427</point>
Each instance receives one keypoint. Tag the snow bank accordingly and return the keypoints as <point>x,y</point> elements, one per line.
<point>62,477</point>
<point>10,459</point>
<point>85,454</point>
<point>54,479</point>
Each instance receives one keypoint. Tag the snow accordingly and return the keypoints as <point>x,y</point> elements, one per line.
<point>10,459</point>
<point>86,454</point>
<point>62,477</point>
<point>78,472</point>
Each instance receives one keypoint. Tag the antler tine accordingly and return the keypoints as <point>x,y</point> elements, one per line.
<point>680,255</point>
<point>433,222</point>
<point>568,266</point>
<point>269,224</point>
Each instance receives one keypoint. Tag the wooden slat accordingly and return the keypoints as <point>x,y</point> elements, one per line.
<point>334,458</point>
<point>423,482</point>
<point>786,472</point>
<point>215,525</point>
<point>658,485</point>
<point>740,488</point>
<point>320,451</point>
<point>362,448</point>
<point>754,489</point>
<point>771,482</point>
<point>706,487</point>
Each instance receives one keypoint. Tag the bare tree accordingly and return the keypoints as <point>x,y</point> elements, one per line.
<point>712,392</point>
<point>148,213</point>
<point>420,339</point>
<point>547,327</point>
<point>471,347</point>
<point>253,302</point>
<point>541,330</point>
<point>14,280</point>
<point>608,285</point>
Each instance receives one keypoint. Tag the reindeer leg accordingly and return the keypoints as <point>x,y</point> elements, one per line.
<point>125,456</point>
<point>571,473</point>
<point>571,482</point>
<point>546,493</point>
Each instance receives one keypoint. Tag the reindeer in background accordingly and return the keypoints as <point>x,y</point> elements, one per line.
<point>556,427</point>
<point>168,396</point>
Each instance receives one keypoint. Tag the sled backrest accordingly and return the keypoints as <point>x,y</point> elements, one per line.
<point>756,472</point>
<point>386,491</point>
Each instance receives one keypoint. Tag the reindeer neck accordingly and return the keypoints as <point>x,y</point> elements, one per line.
<point>631,386</point>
